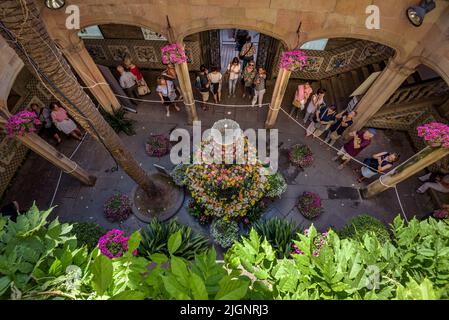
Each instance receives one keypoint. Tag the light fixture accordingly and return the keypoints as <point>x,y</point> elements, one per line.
<point>54,4</point>
<point>416,14</point>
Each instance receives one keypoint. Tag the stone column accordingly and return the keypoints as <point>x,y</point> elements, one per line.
<point>382,89</point>
<point>278,95</point>
<point>424,159</point>
<point>182,71</point>
<point>48,152</point>
<point>81,61</point>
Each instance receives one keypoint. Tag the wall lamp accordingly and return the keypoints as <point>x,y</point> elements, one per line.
<point>54,4</point>
<point>416,14</point>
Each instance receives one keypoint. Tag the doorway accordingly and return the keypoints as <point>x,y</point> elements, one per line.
<point>231,41</point>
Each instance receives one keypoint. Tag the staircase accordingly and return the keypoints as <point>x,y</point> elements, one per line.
<point>341,86</point>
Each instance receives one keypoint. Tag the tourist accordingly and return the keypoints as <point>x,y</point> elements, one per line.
<point>202,84</point>
<point>302,95</point>
<point>44,115</point>
<point>249,73</point>
<point>234,72</point>
<point>248,51</point>
<point>167,94</point>
<point>215,79</point>
<point>259,86</point>
<point>63,122</point>
<point>314,104</point>
<point>128,82</point>
<point>434,181</point>
<point>170,75</point>
<point>343,122</point>
<point>323,119</point>
<point>240,37</point>
<point>142,87</point>
<point>359,141</point>
<point>377,164</point>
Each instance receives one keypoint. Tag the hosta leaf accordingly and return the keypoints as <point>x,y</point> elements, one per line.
<point>102,274</point>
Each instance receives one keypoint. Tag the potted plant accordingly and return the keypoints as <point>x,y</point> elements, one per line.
<point>309,204</point>
<point>158,145</point>
<point>301,156</point>
<point>114,244</point>
<point>224,233</point>
<point>276,185</point>
<point>198,212</point>
<point>173,53</point>
<point>293,60</point>
<point>117,208</point>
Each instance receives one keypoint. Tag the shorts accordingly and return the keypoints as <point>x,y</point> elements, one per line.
<point>343,154</point>
<point>368,173</point>
<point>205,96</point>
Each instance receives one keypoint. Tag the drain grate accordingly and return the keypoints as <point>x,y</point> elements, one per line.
<point>343,193</point>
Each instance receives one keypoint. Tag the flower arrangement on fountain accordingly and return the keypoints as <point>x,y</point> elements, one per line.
<point>435,134</point>
<point>173,53</point>
<point>117,208</point>
<point>309,204</point>
<point>301,156</point>
<point>114,244</point>
<point>293,60</point>
<point>227,190</point>
<point>22,123</point>
<point>158,145</point>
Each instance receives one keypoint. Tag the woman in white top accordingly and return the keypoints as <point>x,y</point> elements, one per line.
<point>315,103</point>
<point>215,78</point>
<point>234,72</point>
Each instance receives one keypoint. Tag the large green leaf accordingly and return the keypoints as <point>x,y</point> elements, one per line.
<point>198,287</point>
<point>232,289</point>
<point>102,274</point>
<point>174,242</point>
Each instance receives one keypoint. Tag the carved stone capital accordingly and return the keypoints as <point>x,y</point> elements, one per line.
<point>399,67</point>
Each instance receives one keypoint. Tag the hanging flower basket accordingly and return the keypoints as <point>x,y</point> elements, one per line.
<point>301,156</point>
<point>158,145</point>
<point>173,53</point>
<point>293,60</point>
<point>435,134</point>
<point>22,123</point>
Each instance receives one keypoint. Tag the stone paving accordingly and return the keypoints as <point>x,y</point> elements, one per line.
<point>36,180</point>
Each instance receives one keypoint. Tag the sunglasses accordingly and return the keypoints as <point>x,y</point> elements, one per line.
<point>251,65</point>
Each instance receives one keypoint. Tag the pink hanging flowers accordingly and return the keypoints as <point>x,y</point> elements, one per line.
<point>22,123</point>
<point>173,53</point>
<point>435,134</point>
<point>114,244</point>
<point>293,60</point>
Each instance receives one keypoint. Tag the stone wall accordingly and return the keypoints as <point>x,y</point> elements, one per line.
<point>325,64</point>
<point>144,53</point>
<point>12,152</point>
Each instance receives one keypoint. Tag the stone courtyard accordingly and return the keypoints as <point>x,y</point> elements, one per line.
<point>37,179</point>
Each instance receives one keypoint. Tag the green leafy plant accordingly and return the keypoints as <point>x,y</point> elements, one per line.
<point>279,234</point>
<point>156,234</point>
<point>179,174</point>
<point>87,233</point>
<point>198,212</point>
<point>119,122</point>
<point>224,233</point>
<point>362,224</point>
<point>277,185</point>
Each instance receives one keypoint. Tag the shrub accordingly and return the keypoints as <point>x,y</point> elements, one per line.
<point>117,208</point>
<point>363,224</point>
<point>301,156</point>
<point>119,122</point>
<point>155,238</point>
<point>254,213</point>
<point>277,185</point>
<point>224,233</point>
<point>309,204</point>
<point>279,233</point>
<point>87,233</point>
<point>179,174</point>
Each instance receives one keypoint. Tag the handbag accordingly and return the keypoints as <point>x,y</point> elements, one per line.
<point>242,56</point>
<point>142,88</point>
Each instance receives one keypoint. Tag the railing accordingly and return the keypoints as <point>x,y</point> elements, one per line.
<point>415,93</point>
